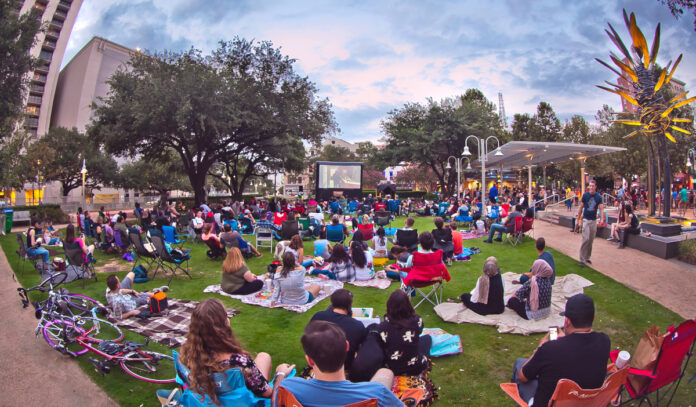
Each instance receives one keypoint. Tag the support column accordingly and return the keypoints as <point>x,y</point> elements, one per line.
<point>529,186</point>
<point>544,185</point>
<point>582,177</point>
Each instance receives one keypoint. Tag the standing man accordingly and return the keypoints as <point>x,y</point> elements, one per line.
<point>590,203</point>
<point>684,200</point>
<point>493,193</point>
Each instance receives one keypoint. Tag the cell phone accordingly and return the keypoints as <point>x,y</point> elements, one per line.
<point>553,333</point>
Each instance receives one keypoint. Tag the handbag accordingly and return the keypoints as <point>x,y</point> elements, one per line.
<point>158,302</point>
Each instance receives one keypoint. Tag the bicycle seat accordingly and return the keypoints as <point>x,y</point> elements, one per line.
<point>109,347</point>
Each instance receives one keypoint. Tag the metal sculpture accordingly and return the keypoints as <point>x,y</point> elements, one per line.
<point>646,80</point>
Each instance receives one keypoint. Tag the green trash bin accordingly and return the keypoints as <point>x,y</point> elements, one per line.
<point>8,219</point>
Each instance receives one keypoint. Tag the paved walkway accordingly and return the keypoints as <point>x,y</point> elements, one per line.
<point>668,283</point>
<point>33,374</point>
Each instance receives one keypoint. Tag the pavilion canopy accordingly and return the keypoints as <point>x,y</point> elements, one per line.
<point>523,154</point>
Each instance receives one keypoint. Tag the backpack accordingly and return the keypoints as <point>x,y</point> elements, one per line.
<point>158,302</point>
<point>140,274</point>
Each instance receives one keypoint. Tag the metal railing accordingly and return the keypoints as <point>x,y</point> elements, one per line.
<point>606,198</point>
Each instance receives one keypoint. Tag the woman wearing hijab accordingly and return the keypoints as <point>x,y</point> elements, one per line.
<point>533,299</point>
<point>487,297</point>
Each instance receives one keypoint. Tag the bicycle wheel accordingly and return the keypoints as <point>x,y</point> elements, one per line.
<point>52,281</point>
<point>60,335</point>
<point>149,366</point>
<point>79,304</point>
<point>98,329</point>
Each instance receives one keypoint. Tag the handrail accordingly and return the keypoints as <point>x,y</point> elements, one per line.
<point>604,198</point>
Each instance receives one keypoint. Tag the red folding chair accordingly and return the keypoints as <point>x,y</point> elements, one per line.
<point>428,271</point>
<point>515,237</point>
<point>367,231</point>
<point>670,366</point>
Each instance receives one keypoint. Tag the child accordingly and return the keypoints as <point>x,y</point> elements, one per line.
<point>379,244</point>
<point>456,239</point>
<point>362,260</point>
<point>340,266</point>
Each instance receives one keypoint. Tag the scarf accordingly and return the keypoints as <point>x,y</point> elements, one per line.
<point>490,269</point>
<point>540,268</point>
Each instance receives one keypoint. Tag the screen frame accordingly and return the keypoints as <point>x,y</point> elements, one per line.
<point>321,192</point>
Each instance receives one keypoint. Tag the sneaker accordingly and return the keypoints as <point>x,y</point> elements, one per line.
<point>498,239</point>
<point>581,264</point>
<point>588,261</point>
<point>488,241</point>
<point>163,289</point>
<point>610,238</point>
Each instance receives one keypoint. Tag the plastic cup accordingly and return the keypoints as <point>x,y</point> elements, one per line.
<point>622,359</point>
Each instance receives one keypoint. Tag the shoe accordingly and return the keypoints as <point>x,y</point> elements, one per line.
<point>487,241</point>
<point>588,261</point>
<point>581,264</point>
<point>610,239</point>
<point>163,289</point>
<point>169,397</point>
<point>516,282</point>
<point>621,246</point>
<point>498,240</point>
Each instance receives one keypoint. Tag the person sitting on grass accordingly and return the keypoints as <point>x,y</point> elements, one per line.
<point>543,255</point>
<point>508,225</point>
<point>533,299</point>
<point>362,261</point>
<point>322,247</point>
<point>401,255</point>
<point>125,301</point>
<point>457,239</point>
<point>211,348</point>
<point>232,238</point>
<point>379,244</point>
<point>296,247</point>
<point>325,348</point>
<point>237,279</point>
<point>358,237</point>
<point>288,284</point>
<point>340,266</point>
<point>487,297</point>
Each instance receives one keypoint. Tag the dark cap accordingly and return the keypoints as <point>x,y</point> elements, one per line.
<point>580,310</point>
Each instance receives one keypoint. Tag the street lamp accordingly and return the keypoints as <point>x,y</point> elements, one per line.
<point>83,171</point>
<point>689,154</point>
<point>482,153</point>
<point>459,169</point>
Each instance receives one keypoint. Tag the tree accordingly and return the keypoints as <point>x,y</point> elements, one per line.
<point>17,36</point>
<point>415,177</point>
<point>149,175</point>
<point>243,106</point>
<point>13,171</point>
<point>371,177</point>
<point>368,153</point>
<point>676,7</point>
<point>336,153</point>
<point>59,154</point>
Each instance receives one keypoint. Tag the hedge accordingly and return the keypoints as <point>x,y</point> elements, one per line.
<point>50,211</point>
<point>189,201</point>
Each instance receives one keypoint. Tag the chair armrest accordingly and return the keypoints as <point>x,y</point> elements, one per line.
<point>641,372</point>
<point>511,390</point>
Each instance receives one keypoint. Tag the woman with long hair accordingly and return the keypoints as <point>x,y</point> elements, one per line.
<point>288,284</point>
<point>362,260</point>
<point>72,242</point>
<point>379,244</point>
<point>406,352</point>
<point>237,279</point>
<point>296,247</point>
<point>340,265</point>
<point>211,347</point>
<point>487,297</point>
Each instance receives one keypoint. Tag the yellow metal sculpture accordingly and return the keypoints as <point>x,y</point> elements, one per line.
<point>646,80</point>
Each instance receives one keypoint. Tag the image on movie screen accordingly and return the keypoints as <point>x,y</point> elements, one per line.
<point>339,176</point>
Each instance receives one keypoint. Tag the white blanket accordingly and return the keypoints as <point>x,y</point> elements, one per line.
<point>509,322</point>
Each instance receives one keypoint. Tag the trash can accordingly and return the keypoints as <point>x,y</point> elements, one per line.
<point>8,219</point>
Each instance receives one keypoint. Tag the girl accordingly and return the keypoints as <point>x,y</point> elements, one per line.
<point>322,247</point>
<point>533,299</point>
<point>288,284</point>
<point>340,266</point>
<point>379,244</point>
<point>296,247</point>
<point>362,260</point>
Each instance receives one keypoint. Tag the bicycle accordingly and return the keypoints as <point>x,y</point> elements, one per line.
<point>153,367</point>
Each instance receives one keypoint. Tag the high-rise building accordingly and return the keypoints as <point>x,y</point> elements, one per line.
<point>58,18</point>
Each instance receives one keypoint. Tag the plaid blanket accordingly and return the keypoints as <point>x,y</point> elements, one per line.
<point>170,327</point>
<point>263,298</point>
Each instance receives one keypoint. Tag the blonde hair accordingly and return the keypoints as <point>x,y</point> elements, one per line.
<point>233,262</point>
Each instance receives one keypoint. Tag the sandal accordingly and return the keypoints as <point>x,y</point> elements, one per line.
<point>171,399</point>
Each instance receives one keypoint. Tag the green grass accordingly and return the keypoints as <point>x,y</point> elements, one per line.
<point>470,378</point>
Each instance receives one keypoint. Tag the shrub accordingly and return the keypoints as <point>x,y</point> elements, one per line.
<point>50,211</point>
<point>687,251</point>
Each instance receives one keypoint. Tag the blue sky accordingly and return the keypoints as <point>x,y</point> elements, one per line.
<point>369,57</point>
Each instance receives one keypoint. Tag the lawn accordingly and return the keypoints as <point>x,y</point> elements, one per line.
<point>470,378</point>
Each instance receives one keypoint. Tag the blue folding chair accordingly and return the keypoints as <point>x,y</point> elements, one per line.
<point>233,224</point>
<point>171,237</point>
<point>353,207</point>
<point>334,233</point>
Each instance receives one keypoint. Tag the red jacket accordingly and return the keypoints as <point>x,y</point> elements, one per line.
<point>427,266</point>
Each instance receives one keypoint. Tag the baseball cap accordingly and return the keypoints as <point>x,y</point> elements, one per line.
<point>579,309</point>
<point>247,211</point>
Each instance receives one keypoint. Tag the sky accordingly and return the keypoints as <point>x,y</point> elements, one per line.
<point>371,57</point>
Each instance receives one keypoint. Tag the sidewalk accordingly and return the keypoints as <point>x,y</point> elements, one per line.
<point>33,373</point>
<point>663,281</point>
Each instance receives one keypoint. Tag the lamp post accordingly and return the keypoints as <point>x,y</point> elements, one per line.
<point>459,169</point>
<point>83,171</point>
<point>689,154</point>
<point>482,153</point>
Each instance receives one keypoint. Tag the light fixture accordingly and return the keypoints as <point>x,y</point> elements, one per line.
<point>448,166</point>
<point>466,151</point>
<point>688,162</point>
<point>468,165</point>
<point>498,152</point>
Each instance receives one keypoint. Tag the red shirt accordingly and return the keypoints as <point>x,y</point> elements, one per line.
<point>458,243</point>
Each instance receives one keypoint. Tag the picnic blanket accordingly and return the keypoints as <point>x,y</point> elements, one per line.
<point>472,235</point>
<point>381,283</point>
<point>170,327</point>
<point>509,322</point>
<point>263,298</point>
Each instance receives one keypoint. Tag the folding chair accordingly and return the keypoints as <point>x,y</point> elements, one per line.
<point>165,259</point>
<point>670,366</point>
<point>407,239</point>
<point>247,226</point>
<point>515,237</point>
<point>334,234</point>
<point>284,398</point>
<point>75,258</point>
<point>264,238</point>
<point>367,231</point>
<point>141,252</point>
<point>183,223</point>
<point>22,252</point>
<point>352,207</point>
<point>120,241</point>
<point>171,237</point>
<point>428,271</point>
<point>569,394</point>
<point>217,250</point>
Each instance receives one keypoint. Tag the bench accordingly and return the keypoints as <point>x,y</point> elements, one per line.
<point>21,216</point>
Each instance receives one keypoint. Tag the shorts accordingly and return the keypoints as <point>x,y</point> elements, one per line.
<point>127,283</point>
<point>311,297</point>
<point>141,299</point>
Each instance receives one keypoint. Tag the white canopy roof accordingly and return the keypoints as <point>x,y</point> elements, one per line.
<point>523,154</point>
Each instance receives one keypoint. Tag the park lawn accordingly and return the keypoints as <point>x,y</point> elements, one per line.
<point>470,378</point>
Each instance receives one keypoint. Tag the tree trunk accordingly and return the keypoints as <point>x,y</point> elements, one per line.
<point>164,196</point>
<point>198,184</point>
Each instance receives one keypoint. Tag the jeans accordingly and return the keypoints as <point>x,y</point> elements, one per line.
<point>307,263</point>
<point>589,230</point>
<point>40,251</point>
<point>498,228</point>
<point>528,389</point>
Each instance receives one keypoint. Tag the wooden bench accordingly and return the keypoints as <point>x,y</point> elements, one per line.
<point>21,216</point>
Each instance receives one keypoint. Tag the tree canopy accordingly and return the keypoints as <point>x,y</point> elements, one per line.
<point>242,106</point>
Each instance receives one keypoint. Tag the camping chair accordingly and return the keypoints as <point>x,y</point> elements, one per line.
<point>442,209</point>
<point>279,217</point>
<point>284,398</point>
<point>121,242</point>
<point>182,225</point>
<point>334,234</point>
<point>246,225</point>
<point>494,213</point>
<point>306,232</point>
<point>75,258</point>
<point>569,394</point>
<point>522,225</point>
<point>670,366</point>
<point>217,250</point>
<point>384,221</point>
<point>165,259</point>
<point>171,237</point>
<point>22,252</point>
<point>141,252</point>
<point>264,238</point>
<point>367,231</point>
<point>428,271</point>
<point>407,239</point>
<point>353,207</point>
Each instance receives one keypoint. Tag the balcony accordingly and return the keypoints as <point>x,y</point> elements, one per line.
<point>33,111</point>
<point>34,88</point>
<point>56,24</point>
<point>43,69</point>
<point>34,100</point>
<point>63,5</point>
<point>38,78</point>
<point>60,15</point>
<point>41,2</point>
<point>53,34</point>
<point>40,7</point>
<point>49,46</point>
<point>32,122</point>
<point>46,55</point>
